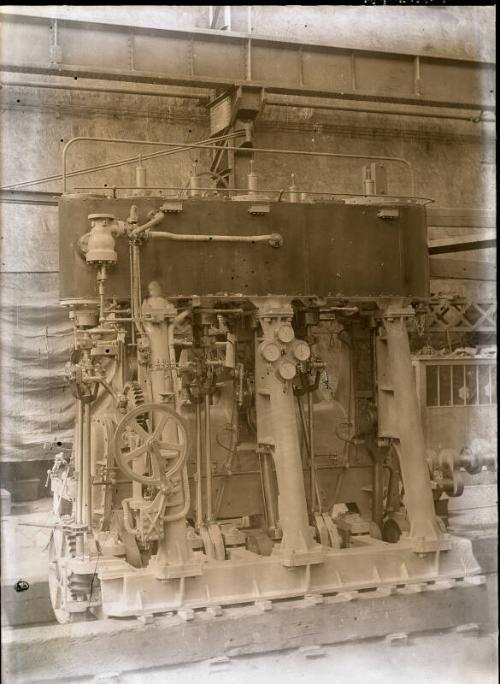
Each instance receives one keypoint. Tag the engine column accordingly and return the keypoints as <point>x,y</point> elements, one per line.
<point>277,430</point>
<point>402,414</point>
<point>175,555</point>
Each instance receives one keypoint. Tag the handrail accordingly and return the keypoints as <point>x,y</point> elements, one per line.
<point>116,164</point>
<point>251,150</point>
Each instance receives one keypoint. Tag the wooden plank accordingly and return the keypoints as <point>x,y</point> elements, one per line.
<point>463,243</point>
<point>440,267</point>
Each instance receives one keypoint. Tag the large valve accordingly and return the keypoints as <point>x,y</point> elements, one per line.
<point>151,443</point>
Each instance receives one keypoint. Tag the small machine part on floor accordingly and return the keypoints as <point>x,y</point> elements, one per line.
<point>247,423</point>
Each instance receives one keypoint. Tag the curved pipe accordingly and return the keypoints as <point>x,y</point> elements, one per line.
<point>157,218</point>
<point>251,150</point>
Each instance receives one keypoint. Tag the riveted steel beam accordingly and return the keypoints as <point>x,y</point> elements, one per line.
<point>220,59</point>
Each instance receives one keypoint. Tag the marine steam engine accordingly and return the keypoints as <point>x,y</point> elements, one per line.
<point>247,426</point>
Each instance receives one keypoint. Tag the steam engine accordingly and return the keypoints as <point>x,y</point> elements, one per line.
<point>247,426</point>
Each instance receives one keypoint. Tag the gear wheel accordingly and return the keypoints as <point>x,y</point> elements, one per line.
<point>135,397</point>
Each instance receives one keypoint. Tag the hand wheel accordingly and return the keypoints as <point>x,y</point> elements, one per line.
<point>154,449</point>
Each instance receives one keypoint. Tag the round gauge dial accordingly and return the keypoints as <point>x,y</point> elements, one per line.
<point>287,370</point>
<point>301,350</point>
<point>271,352</point>
<point>285,333</point>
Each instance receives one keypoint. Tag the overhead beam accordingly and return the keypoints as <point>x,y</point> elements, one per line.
<point>220,60</point>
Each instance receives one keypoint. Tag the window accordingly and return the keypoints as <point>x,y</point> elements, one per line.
<point>468,384</point>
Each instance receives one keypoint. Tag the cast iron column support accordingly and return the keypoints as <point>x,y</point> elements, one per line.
<point>426,531</point>
<point>277,428</point>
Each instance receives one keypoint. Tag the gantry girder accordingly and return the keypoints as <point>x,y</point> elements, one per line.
<point>219,60</point>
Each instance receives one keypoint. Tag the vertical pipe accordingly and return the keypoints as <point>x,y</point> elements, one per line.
<point>368,182</point>
<point>87,474</point>
<point>292,190</point>
<point>311,451</point>
<point>208,458</point>
<point>137,277</point>
<point>199,498</point>
<point>79,462</point>
<point>133,310</point>
<point>377,491</point>
<point>194,181</point>
<point>140,175</point>
<point>252,181</point>
<point>101,277</point>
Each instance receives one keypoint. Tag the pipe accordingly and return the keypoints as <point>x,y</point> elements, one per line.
<point>266,101</point>
<point>95,89</point>
<point>305,432</point>
<point>303,193</point>
<point>305,105</point>
<point>273,239</point>
<point>101,277</point>
<point>122,162</point>
<point>199,498</point>
<point>78,464</point>
<point>157,218</point>
<point>208,458</point>
<point>86,467</point>
<point>378,492</point>
<point>260,150</point>
<point>314,485</point>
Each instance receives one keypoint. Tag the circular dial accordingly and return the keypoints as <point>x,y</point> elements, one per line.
<point>287,370</point>
<point>301,350</point>
<point>271,352</point>
<point>285,333</point>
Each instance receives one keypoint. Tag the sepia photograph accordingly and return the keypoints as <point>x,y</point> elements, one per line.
<point>248,358</point>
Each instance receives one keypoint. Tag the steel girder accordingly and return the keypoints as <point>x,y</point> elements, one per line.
<point>220,60</point>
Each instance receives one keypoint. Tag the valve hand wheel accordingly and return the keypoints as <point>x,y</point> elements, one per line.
<point>151,443</point>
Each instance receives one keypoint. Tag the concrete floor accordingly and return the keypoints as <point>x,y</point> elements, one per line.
<point>440,658</point>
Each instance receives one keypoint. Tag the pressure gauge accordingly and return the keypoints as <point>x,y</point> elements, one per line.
<point>285,334</point>
<point>301,350</point>
<point>271,352</point>
<point>287,370</point>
